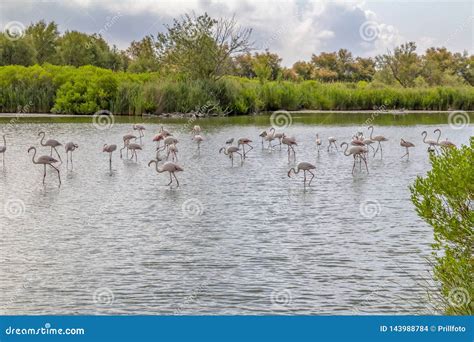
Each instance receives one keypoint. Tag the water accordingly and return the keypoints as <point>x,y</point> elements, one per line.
<point>241,240</point>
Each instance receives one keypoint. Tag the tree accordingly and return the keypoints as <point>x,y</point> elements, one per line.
<point>19,52</point>
<point>200,46</point>
<point>404,64</point>
<point>444,199</point>
<point>44,38</point>
<point>304,70</point>
<point>142,55</point>
<point>242,65</point>
<point>464,65</point>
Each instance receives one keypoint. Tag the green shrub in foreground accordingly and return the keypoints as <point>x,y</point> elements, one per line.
<point>444,199</point>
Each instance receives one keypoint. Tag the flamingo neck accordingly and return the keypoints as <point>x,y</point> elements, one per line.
<point>34,154</point>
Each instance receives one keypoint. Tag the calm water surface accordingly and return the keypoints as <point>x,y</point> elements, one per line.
<point>241,240</point>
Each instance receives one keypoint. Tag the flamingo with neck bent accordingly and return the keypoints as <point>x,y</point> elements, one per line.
<point>45,160</point>
<point>357,152</point>
<point>169,167</point>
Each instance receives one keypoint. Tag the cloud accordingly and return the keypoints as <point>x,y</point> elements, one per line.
<point>295,29</point>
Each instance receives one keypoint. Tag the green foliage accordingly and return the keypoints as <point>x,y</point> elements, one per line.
<point>444,199</point>
<point>86,89</point>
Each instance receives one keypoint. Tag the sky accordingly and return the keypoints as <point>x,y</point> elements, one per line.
<point>295,29</point>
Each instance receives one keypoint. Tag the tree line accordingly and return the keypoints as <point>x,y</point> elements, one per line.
<point>201,47</point>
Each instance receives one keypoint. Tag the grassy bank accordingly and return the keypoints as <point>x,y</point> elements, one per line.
<point>85,90</point>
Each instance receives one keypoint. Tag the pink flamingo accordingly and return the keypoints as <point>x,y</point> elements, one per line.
<point>229,151</point>
<point>44,160</point>
<point>357,152</point>
<point>169,167</point>
<point>243,142</point>
<point>290,142</point>
<point>196,130</point>
<point>318,142</point>
<point>50,143</point>
<point>445,143</point>
<point>430,142</point>
<point>198,139</point>
<point>305,167</point>
<point>407,145</point>
<point>134,147</point>
<point>332,142</point>
<point>140,129</point>
<point>70,147</point>
<point>126,142</point>
<point>109,149</point>
<point>377,138</point>
<point>173,150</point>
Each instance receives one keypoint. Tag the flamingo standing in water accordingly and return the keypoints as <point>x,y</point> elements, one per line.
<point>445,143</point>
<point>168,167</point>
<point>275,135</point>
<point>407,145</point>
<point>262,135</point>
<point>196,130</point>
<point>243,142</point>
<point>290,142</point>
<point>198,139</point>
<point>45,160</point>
<point>229,151</point>
<point>377,138</point>
<point>109,149</point>
<point>140,129</point>
<point>70,147</point>
<point>332,141</point>
<point>134,147</point>
<point>305,167</point>
<point>357,152</point>
<point>167,142</point>
<point>126,142</point>
<point>173,150</point>
<point>3,149</point>
<point>50,143</point>
<point>318,142</point>
<point>430,142</point>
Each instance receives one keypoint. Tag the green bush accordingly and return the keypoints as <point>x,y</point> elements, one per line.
<point>444,199</point>
<point>84,90</point>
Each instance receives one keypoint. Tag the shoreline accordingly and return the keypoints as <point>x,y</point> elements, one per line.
<point>188,115</point>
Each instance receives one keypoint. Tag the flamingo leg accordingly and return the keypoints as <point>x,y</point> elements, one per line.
<point>311,177</point>
<point>241,158</point>
<point>251,148</point>
<point>378,145</point>
<point>59,176</point>
<point>51,153</point>
<point>304,178</point>
<point>67,160</point>
<point>44,174</point>
<point>354,164</point>
<point>231,159</point>
<point>171,180</point>
<point>366,167</point>
<point>110,161</point>
<point>72,165</point>
<point>381,153</point>
<point>177,182</point>
<point>336,147</point>
<point>405,153</point>
<point>58,154</point>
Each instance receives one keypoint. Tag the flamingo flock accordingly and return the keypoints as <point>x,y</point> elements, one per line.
<point>357,148</point>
